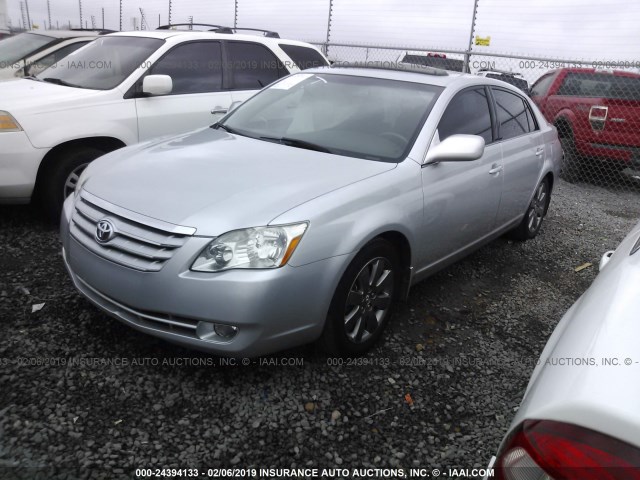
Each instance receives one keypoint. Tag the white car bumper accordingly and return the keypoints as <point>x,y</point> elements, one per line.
<point>19,162</point>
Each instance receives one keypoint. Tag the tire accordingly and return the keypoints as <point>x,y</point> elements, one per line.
<point>61,176</point>
<point>368,307</point>
<point>532,221</point>
<point>571,169</point>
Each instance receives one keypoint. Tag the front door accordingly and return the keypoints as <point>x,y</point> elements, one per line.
<point>461,199</point>
<point>196,71</point>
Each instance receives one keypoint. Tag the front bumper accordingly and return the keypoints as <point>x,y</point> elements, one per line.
<point>272,309</point>
<point>19,163</point>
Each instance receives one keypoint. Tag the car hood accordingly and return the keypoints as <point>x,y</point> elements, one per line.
<point>216,182</point>
<point>587,374</point>
<point>22,97</point>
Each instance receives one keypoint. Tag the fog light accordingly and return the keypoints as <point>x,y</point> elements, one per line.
<point>225,331</point>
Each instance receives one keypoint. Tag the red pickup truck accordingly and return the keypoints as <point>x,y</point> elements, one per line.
<point>596,112</point>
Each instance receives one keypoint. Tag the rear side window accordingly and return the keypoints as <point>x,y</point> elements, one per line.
<point>600,85</point>
<point>194,67</point>
<point>304,57</point>
<point>512,111</point>
<point>541,86</point>
<point>468,113</point>
<point>253,66</point>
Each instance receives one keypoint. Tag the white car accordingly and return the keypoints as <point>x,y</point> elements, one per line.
<point>125,88</point>
<point>580,416</point>
<point>30,53</point>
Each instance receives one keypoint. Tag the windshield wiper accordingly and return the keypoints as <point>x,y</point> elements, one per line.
<point>59,81</point>
<point>294,142</point>
<point>218,125</point>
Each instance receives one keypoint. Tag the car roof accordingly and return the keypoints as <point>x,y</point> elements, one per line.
<point>66,33</point>
<point>199,35</point>
<point>449,79</point>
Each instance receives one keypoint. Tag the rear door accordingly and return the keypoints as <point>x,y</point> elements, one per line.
<point>197,74</point>
<point>461,199</point>
<point>520,139</point>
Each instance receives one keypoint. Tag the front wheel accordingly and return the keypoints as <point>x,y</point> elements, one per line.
<point>363,301</point>
<point>61,178</point>
<point>532,221</point>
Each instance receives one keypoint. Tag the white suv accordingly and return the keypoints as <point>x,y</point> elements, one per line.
<point>125,88</point>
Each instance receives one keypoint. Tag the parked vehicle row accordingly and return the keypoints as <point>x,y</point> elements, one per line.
<point>122,89</point>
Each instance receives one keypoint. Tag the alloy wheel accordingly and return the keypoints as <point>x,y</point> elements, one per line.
<point>369,300</point>
<point>537,208</point>
<point>72,180</point>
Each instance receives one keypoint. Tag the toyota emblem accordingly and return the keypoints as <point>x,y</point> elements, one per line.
<point>105,231</point>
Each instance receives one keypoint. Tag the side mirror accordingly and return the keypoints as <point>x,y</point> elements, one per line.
<point>456,148</point>
<point>157,85</point>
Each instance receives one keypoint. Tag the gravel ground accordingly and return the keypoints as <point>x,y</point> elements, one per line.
<point>462,347</point>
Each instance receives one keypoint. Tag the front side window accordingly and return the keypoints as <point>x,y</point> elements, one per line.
<point>103,64</point>
<point>357,116</point>
<point>468,113</point>
<point>253,66</point>
<point>16,48</point>
<point>194,67</point>
<point>512,114</point>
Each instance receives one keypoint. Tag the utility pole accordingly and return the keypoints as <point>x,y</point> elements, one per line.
<point>467,55</point>
<point>102,18</point>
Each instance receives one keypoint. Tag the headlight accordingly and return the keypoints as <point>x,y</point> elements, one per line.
<point>259,247</point>
<point>8,123</point>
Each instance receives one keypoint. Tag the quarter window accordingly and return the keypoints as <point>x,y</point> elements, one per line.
<point>194,67</point>
<point>512,114</point>
<point>253,66</point>
<point>468,113</point>
<point>304,57</point>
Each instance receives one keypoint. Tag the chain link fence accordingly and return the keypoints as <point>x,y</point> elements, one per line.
<point>594,105</point>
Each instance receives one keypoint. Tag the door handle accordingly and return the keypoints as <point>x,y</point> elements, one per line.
<point>218,111</point>
<point>495,169</point>
<point>539,152</point>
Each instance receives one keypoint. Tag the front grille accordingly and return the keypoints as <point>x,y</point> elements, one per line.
<point>135,244</point>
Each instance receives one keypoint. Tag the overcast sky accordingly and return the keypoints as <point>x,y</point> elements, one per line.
<point>567,29</point>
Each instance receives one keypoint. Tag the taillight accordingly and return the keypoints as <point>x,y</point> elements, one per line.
<point>548,450</point>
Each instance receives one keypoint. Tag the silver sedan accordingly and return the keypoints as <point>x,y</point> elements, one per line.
<point>309,210</point>
<point>580,415</point>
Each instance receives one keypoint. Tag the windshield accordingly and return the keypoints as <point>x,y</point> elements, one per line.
<point>362,117</point>
<point>103,64</point>
<point>16,48</point>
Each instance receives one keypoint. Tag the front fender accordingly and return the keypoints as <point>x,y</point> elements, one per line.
<point>343,221</point>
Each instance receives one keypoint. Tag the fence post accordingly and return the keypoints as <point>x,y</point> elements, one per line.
<point>120,15</point>
<point>326,44</point>
<point>169,21</point>
<point>49,13</point>
<point>467,55</point>
<point>80,10</point>
<point>235,14</point>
